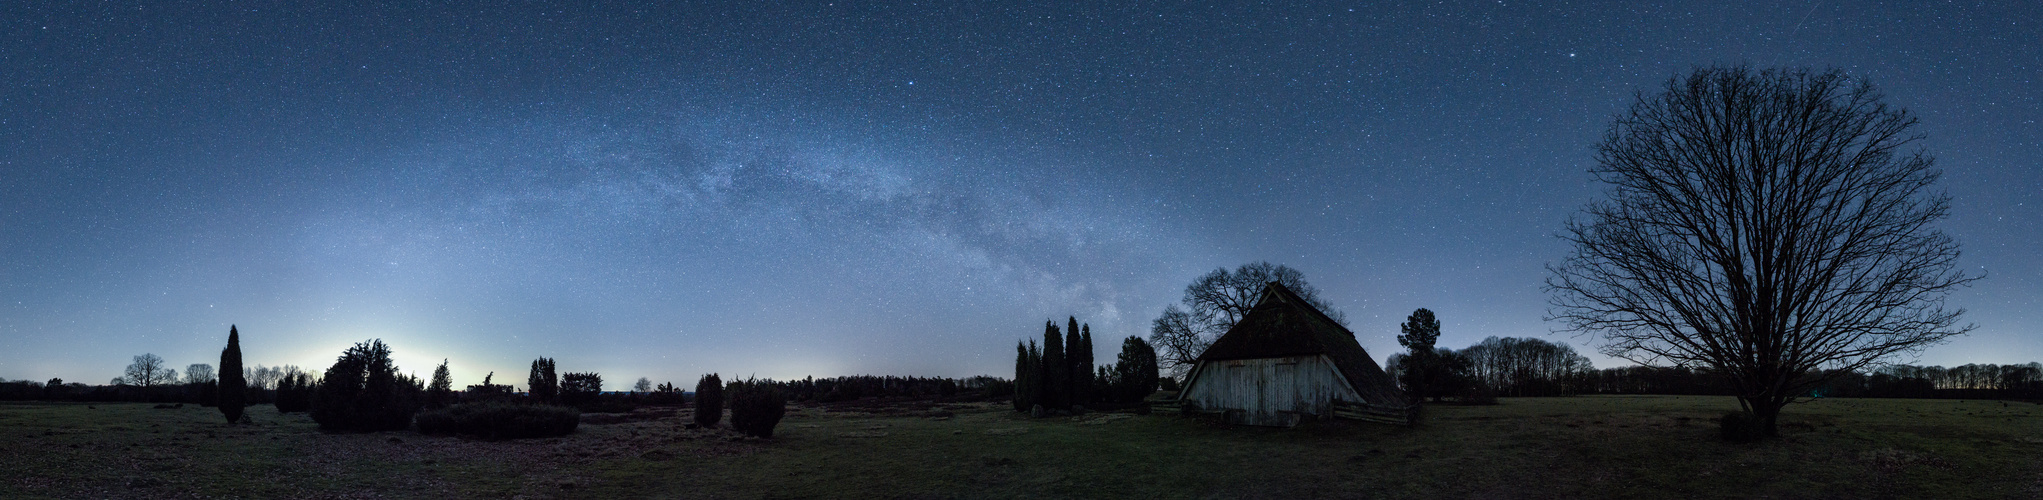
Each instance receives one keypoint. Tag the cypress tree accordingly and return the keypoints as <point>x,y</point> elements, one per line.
<point>233,387</point>
<point>1022,397</point>
<point>1081,365</point>
<point>1072,393</point>
<point>1056,371</point>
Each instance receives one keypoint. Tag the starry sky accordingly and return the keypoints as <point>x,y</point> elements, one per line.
<point>784,189</point>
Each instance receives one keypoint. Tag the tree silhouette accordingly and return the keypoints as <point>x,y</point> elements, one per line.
<point>363,391</point>
<point>543,384</point>
<point>1215,301</point>
<point>578,389</point>
<point>440,392</point>
<point>1135,370</point>
<point>1768,225</point>
<point>1077,369</point>
<point>709,400</point>
<point>148,371</point>
<point>233,388</point>
<point>1421,366</point>
<point>198,373</point>
<point>1056,373</point>
<point>1025,366</point>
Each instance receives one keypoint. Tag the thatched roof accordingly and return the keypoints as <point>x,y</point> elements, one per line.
<point>1283,324</point>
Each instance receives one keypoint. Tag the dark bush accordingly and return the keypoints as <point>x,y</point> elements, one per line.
<point>364,392</point>
<point>756,407</point>
<point>997,389</point>
<point>580,389</point>
<point>709,400</point>
<point>1741,427</point>
<point>1169,384</point>
<point>607,403</point>
<point>500,420</point>
<point>294,393</point>
<point>487,391</point>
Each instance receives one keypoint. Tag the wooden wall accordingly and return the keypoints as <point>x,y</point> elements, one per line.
<point>1264,390</point>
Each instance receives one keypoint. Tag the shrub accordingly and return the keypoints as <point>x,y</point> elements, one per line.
<point>487,391</point>
<point>294,393</point>
<point>364,392</point>
<point>579,389</point>
<point>1740,427</point>
<point>709,400</point>
<point>500,420</point>
<point>756,407</point>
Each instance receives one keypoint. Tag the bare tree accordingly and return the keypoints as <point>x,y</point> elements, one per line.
<point>643,385</point>
<point>198,373</point>
<point>1764,224</point>
<point>148,371</point>
<point>1215,302</point>
<point>262,377</point>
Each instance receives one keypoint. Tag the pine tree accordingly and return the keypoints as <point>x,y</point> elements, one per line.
<point>441,392</point>
<point>1422,366</point>
<point>233,387</point>
<point>1056,372</point>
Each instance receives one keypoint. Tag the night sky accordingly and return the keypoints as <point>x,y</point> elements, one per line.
<point>789,189</point>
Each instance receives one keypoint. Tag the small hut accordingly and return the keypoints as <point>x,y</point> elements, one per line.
<point>1286,360</point>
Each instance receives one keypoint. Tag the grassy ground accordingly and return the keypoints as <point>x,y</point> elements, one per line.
<point>1596,446</point>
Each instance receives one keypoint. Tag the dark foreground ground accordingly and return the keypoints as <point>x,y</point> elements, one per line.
<point>1592,446</point>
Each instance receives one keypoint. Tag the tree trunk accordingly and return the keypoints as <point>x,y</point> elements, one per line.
<point>1768,411</point>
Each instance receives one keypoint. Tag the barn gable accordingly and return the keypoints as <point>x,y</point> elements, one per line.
<point>1284,330</point>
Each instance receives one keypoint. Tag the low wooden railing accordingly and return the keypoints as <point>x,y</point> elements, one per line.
<point>1384,414</point>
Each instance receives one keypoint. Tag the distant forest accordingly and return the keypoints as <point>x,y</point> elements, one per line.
<point>1523,367</point>
<point>1512,367</point>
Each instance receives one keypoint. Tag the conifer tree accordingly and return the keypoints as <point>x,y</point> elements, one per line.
<point>1082,367</point>
<point>1022,368</point>
<point>1135,372</point>
<point>441,392</point>
<point>233,387</point>
<point>1056,373</point>
<point>709,400</point>
<point>542,384</point>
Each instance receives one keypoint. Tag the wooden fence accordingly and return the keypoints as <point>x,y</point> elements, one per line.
<point>1384,414</point>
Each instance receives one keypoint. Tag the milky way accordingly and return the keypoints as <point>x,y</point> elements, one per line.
<point>790,190</point>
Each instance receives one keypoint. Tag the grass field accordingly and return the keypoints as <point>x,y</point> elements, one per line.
<point>1592,446</point>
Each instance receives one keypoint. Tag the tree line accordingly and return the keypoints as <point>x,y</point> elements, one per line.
<point>365,391</point>
<point>1530,367</point>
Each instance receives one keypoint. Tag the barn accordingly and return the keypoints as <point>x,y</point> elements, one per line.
<point>1285,360</point>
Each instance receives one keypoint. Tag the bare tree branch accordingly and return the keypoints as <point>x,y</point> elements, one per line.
<point>1766,224</point>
